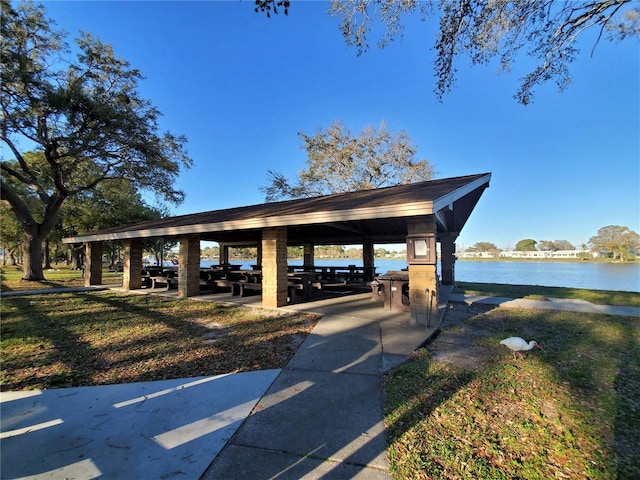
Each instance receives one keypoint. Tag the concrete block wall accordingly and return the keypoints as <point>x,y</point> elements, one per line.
<point>423,279</point>
<point>93,264</point>
<point>132,269</point>
<point>274,267</point>
<point>423,294</point>
<point>189,266</point>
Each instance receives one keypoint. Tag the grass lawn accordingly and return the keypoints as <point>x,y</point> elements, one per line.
<point>569,412</point>
<point>57,277</point>
<point>94,338</point>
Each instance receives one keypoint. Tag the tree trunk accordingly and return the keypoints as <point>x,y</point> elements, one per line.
<point>32,258</point>
<point>47,254</point>
<point>76,257</point>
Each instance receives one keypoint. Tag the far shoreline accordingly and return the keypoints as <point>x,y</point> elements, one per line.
<point>479,259</point>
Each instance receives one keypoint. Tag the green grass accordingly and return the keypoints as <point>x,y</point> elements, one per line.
<point>57,277</point>
<point>569,412</point>
<point>534,292</point>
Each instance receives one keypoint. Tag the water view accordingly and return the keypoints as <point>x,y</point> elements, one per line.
<point>596,276</point>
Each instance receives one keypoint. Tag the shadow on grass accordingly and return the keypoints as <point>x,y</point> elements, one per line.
<point>594,358</point>
<point>37,326</point>
<point>138,338</point>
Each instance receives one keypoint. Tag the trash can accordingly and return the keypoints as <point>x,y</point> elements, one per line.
<point>395,289</point>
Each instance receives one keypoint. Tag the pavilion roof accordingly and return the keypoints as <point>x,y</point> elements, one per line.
<point>379,215</point>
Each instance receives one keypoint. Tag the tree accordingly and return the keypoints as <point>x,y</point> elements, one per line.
<point>83,116</point>
<point>526,245</point>
<point>484,30</point>
<point>554,245</point>
<point>483,247</point>
<point>110,204</point>
<point>338,161</point>
<point>616,239</point>
<point>11,236</point>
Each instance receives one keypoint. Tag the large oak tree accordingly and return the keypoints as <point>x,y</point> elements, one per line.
<point>483,30</point>
<point>618,240</point>
<point>339,161</point>
<point>84,117</point>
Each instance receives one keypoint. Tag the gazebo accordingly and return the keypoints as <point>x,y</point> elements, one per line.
<point>420,214</point>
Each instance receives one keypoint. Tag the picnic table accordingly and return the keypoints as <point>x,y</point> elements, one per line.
<point>338,274</point>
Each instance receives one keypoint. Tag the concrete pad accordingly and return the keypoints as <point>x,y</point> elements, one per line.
<point>257,464</point>
<point>165,429</point>
<point>335,416</point>
<point>563,304</point>
<point>352,350</point>
<point>357,306</point>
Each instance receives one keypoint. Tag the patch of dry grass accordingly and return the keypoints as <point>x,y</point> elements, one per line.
<point>78,339</point>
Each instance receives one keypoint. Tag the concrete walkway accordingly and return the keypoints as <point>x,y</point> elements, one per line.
<point>151,430</point>
<point>567,304</point>
<point>323,415</point>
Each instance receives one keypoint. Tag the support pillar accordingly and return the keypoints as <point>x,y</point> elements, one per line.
<point>189,266</point>
<point>448,259</point>
<point>223,256</point>
<point>308,255</point>
<point>132,268</point>
<point>274,267</point>
<point>93,264</point>
<point>423,279</point>
<point>368,260</point>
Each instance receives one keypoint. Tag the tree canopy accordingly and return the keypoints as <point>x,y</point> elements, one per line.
<point>483,247</point>
<point>554,245</point>
<point>483,31</point>
<point>526,245</point>
<point>338,161</point>
<point>617,240</point>
<point>82,116</point>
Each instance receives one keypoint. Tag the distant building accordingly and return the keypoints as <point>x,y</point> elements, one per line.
<point>527,254</point>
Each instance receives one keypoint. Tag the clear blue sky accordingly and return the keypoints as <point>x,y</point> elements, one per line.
<point>240,86</point>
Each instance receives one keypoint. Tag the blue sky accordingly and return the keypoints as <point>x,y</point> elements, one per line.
<point>240,86</point>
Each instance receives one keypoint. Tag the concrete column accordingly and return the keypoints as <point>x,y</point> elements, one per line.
<point>132,269</point>
<point>368,258</point>
<point>448,260</point>
<point>423,294</point>
<point>308,255</point>
<point>224,254</point>
<point>189,266</point>
<point>423,280</point>
<point>93,264</point>
<point>274,267</point>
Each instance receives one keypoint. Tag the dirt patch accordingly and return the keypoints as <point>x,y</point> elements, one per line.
<point>457,343</point>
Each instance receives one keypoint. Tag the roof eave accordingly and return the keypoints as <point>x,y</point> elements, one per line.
<point>412,209</point>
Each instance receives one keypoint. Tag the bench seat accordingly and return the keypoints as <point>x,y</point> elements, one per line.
<point>246,287</point>
<point>234,285</point>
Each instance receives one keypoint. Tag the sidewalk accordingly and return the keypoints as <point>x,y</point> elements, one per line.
<point>567,304</point>
<point>150,430</point>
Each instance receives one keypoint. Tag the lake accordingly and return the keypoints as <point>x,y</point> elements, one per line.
<point>595,276</point>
